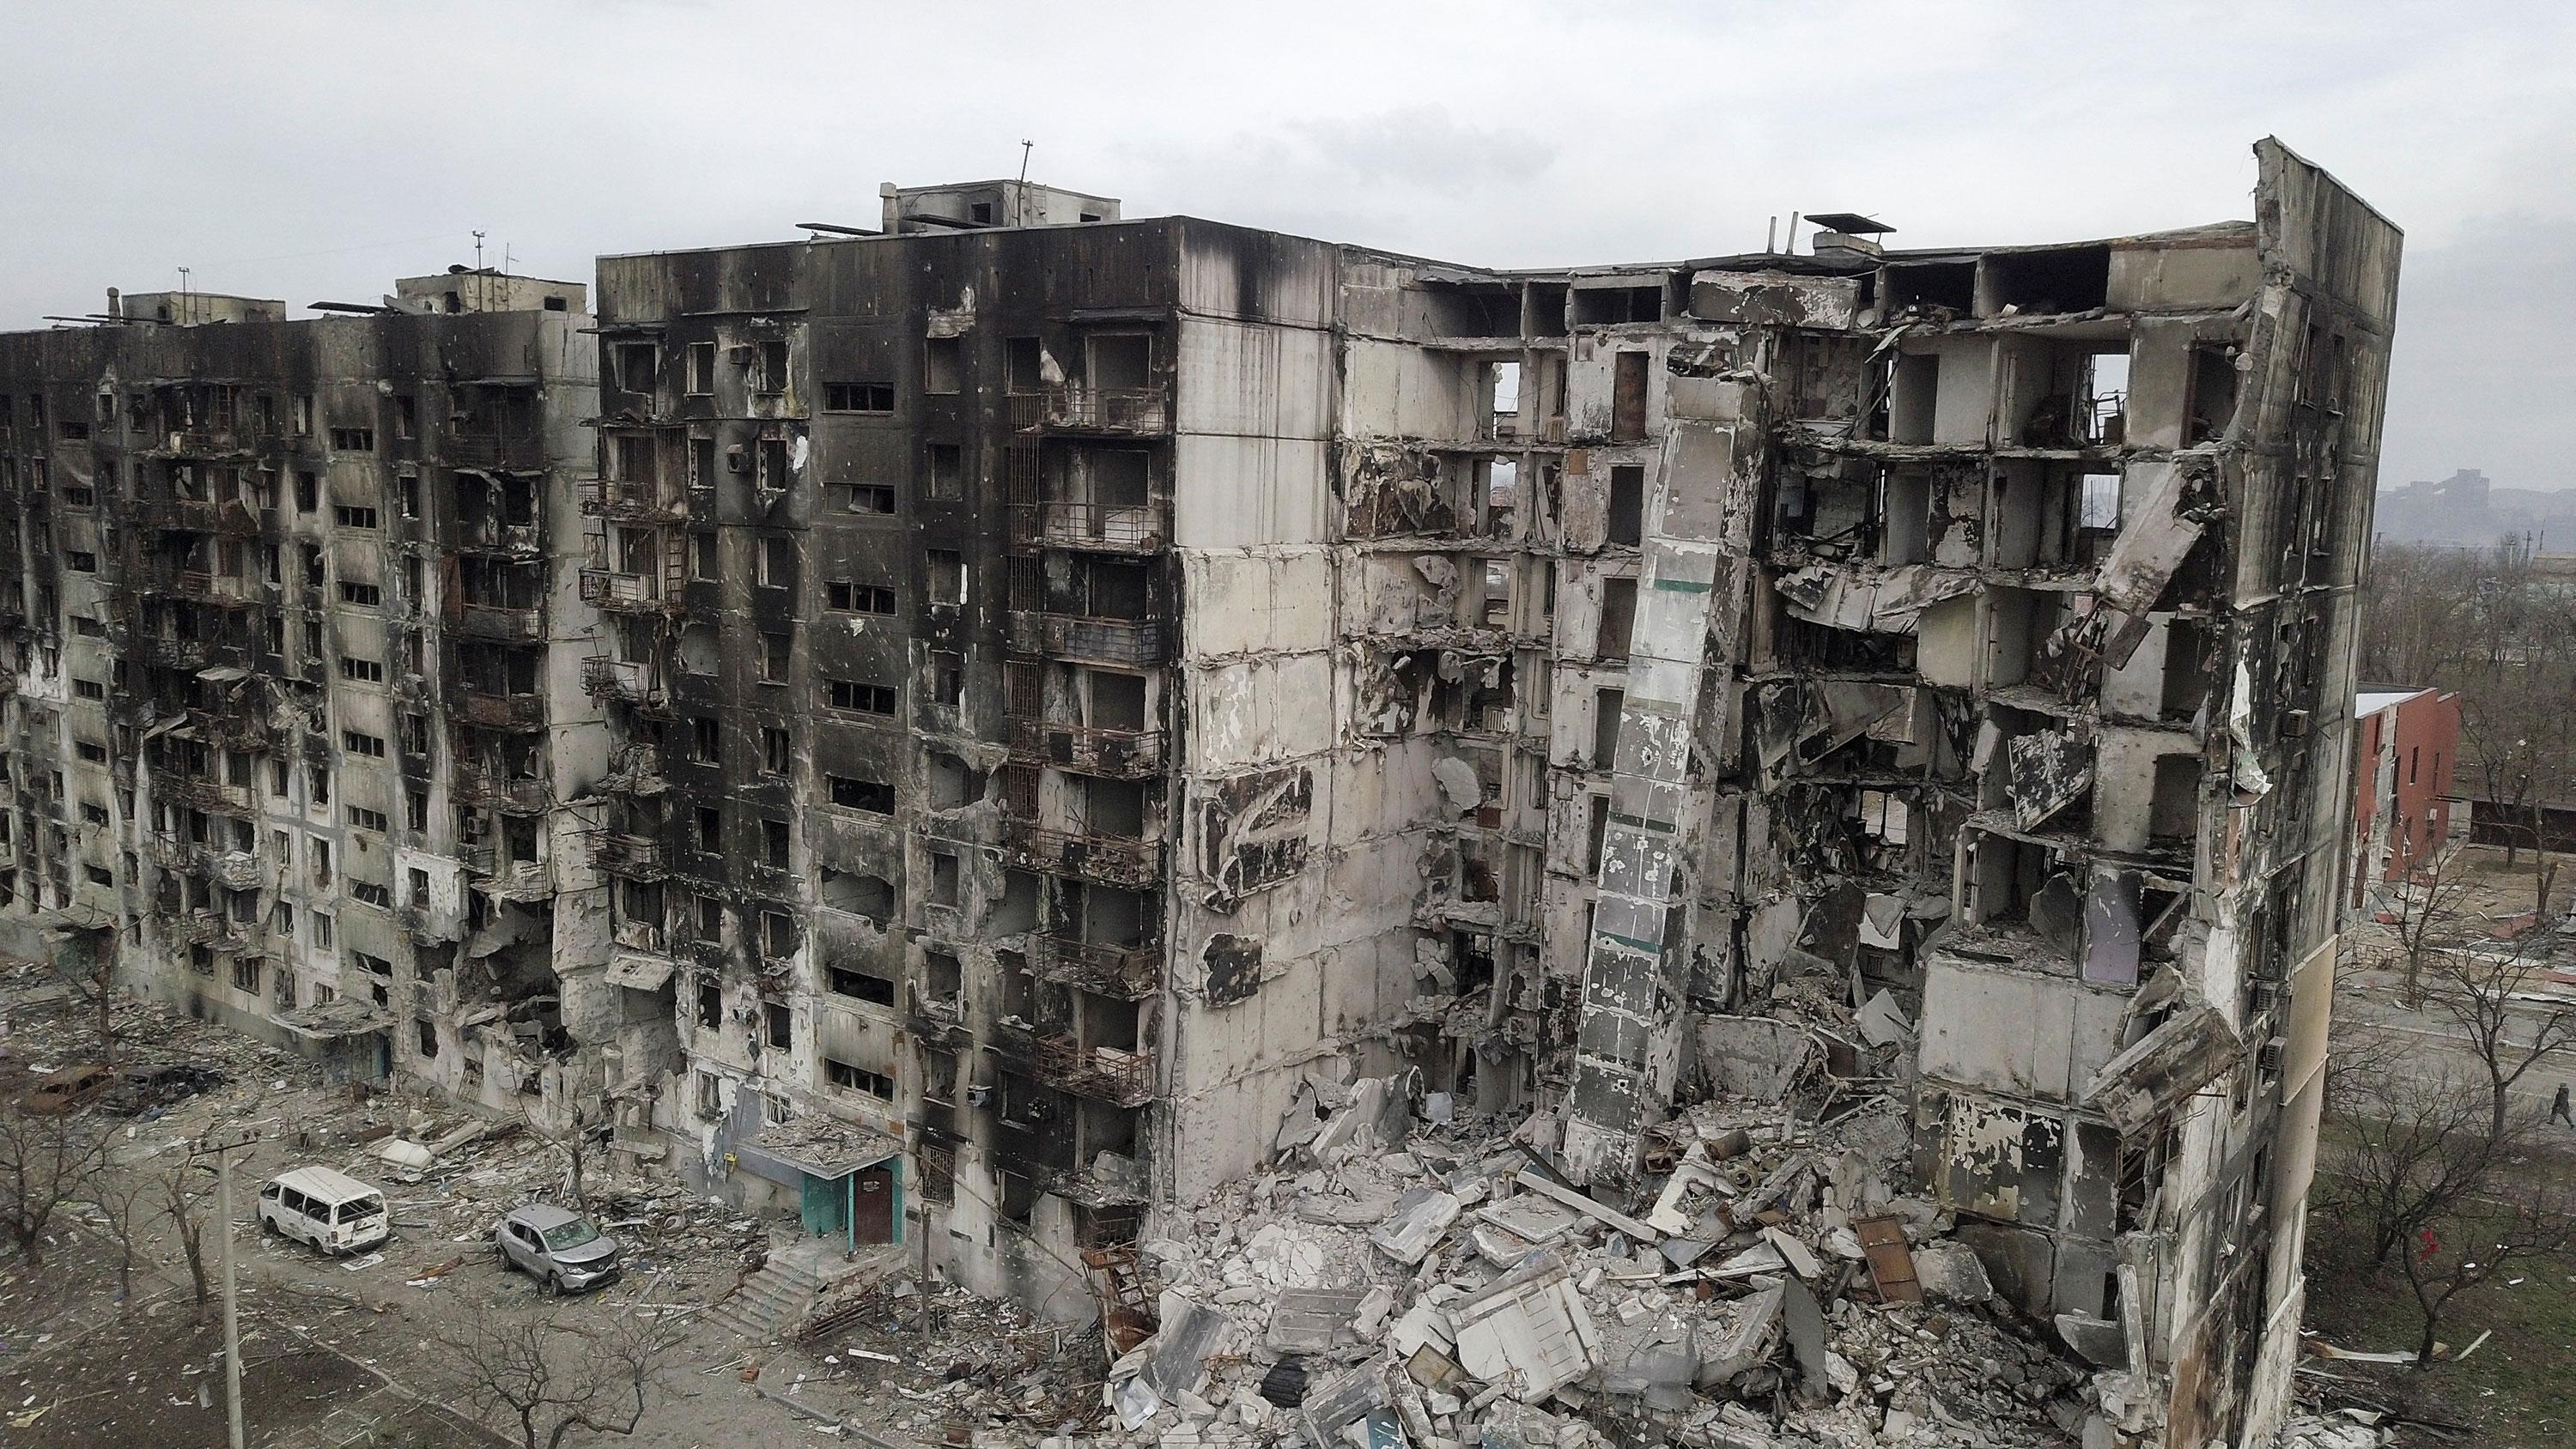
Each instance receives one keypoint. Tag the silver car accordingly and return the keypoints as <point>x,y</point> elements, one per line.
<point>560,1248</point>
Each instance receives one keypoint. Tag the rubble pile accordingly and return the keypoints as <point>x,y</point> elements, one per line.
<point>1435,1283</point>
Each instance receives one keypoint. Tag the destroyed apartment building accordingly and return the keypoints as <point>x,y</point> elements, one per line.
<point>295,691</point>
<point>1040,705</point>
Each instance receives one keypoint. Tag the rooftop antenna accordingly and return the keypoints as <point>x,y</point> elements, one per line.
<point>1025,148</point>
<point>184,316</point>
<point>478,251</point>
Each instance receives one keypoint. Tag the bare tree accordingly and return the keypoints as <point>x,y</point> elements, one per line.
<point>2480,1241</point>
<point>574,1144</point>
<point>2489,995</point>
<point>2411,1146</point>
<point>46,1160</point>
<point>124,1194</point>
<point>552,1379</point>
<point>183,1199</point>
<point>2428,905</point>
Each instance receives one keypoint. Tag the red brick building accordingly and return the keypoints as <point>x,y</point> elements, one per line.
<point>2406,751</point>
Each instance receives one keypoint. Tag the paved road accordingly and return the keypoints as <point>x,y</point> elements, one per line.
<point>2372,1002</point>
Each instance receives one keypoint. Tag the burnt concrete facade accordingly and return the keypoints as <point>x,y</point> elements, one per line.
<point>296,713</point>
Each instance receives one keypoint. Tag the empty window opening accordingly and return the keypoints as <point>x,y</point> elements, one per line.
<point>2213,393</point>
<point>1027,365</point>
<point>1627,521</point>
<point>1121,360</point>
<point>953,783</point>
<point>1618,618</point>
<point>943,365</point>
<point>1606,705</point>
<point>944,877</point>
<point>637,364</point>
<point>858,794</point>
<point>1613,306</point>
<point>860,895</point>
<point>947,465</point>
<point>946,570</point>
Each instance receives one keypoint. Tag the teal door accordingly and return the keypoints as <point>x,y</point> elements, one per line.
<point>827,1205</point>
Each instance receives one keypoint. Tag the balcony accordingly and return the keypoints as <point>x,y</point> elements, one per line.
<point>1104,1074</point>
<point>222,590</point>
<point>239,725</point>
<point>1129,973</point>
<point>517,453</point>
<point>1109,859</point>
<point>938,1021</point>
<point>500,711</point>
<point>1133,643</point>
<point>490,535</point>
<point>1110,754</point>
<point>1100,527</point>
<point>625,593</point>
<point>1127,412</point>
<point>635,681</point>
<point>206,442</point>
<point>212,930</point>
<point>634,769</point>
<point>508,877</point>
<point>166,652</point>
<point>642,936</point>
<point>637,857</point>
<point>204,794</point>
<point>629,500</point>
<point>508,794</point>
<point>200,515</point>
<point>515,626</point>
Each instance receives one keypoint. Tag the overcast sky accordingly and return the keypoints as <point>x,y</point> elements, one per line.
<point>316,151</point>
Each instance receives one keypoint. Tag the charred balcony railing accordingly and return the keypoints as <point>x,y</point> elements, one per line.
<point>1129,973</point>
<point>635,681</point>
<point>630,500</point>
<point>1103,527</point>
<point>491,535</point>
<point>505,875</point>
<point>1134,412</point>
<point>516,626</point>
<point>1104,1074</point>
<point>514,452</point>
<point>1132,642</point>
<point>235,725</point>
<point>1085,750</point>
<point>211,929</point>
<point>634,769</point>
<point>937,1020</point>
<point>499,711</point>
<point>228,518</point>
<point>1109,859</point>
<point>169,652</point>
<point>237,870</point>
<point>626,593</point>
<point>199,792</point>
<point>204,443</point>
<point>221,590</point>
<point>637,857</point>
<point>514,795</point>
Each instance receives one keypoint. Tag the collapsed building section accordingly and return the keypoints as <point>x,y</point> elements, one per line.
<point>295,718</point>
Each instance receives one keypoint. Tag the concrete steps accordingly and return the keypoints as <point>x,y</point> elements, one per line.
<point>778,1298</point>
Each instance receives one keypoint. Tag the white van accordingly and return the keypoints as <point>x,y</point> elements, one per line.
<point>331,1210</point>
